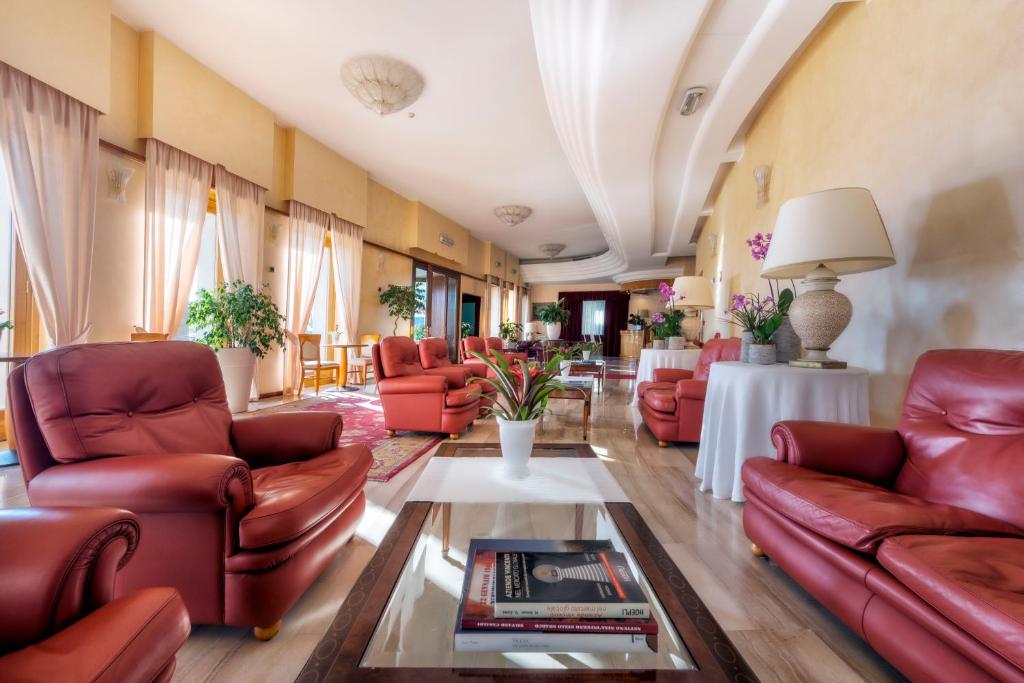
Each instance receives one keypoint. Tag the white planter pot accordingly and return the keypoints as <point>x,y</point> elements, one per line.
<point>564,366</point>
<point>658,344</point>
<point>586,355</point>
<point>237,366</point>
<point>762,354</point>
<point>677,343</point>
<point>553,330</point>
<point>516,438</point>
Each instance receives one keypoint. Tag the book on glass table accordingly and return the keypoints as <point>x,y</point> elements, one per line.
<point>479,628</point>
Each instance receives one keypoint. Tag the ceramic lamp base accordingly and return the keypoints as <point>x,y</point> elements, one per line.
<point>819,316</point>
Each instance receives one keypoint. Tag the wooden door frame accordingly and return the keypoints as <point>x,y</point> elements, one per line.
<point>448,273</point>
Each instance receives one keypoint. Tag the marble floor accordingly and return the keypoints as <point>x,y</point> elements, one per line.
<point>782,632</point>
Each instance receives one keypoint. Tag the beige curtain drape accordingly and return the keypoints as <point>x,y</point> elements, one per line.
<point>240,227</point>
<point>177,196</point>
<point>347,257</point>
<point>307,230</point>
<point>49,144</point>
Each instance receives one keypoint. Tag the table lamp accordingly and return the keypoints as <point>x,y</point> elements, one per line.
<point>818,237</point>
<point>693,293</point>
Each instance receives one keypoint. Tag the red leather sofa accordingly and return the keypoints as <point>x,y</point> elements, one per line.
<point>673,404</point>
<point>434,354</point>
<point>913,536</point>
<point>61,620</point>
<point>486,347</point>
<point>239,514</point>
<point>418,399</point>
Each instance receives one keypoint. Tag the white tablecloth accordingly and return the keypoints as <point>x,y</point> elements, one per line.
<point>684,359</point>
<point>551,480</point>
<point>744,401</point>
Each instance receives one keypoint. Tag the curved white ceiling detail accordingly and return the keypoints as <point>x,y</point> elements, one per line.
<point>593,269</point>
<point>608,68</point>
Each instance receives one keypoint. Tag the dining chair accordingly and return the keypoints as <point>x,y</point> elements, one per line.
<point>361,365</point>
<point>313,364</point>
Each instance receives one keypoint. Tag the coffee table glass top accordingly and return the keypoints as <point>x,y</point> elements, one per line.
<point>416,628</point>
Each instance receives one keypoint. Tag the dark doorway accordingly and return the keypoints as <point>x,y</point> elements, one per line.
<point>471,314</point>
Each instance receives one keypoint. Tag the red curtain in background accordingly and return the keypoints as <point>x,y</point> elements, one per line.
<point>616,312</point>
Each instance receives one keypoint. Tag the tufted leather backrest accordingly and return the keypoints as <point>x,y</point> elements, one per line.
<point>398,357</point>
<point>473,344</point>
<point>494,344</point>
<point>963,427</point>
<point>99,400</point>
<point>715,350</point>
<point>434,353</point>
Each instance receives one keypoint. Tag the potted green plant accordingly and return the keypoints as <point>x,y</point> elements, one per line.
<point>464,329</point>
<point>635,322</point>
<point>510,331</point>
<point>759,317</point>
<point>787,343</point>
<point>521,398</point>
<point>553,315</point>
<point>241,324</point>
<point>402,303</point>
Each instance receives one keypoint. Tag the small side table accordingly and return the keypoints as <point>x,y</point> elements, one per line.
<point>744,401</point>
<point>343,362</point>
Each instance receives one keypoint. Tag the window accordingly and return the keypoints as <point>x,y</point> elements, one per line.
<point>419,285</point>
<point>593,318</point>
<point>319,318</point>
<point>205,276</point>
<point>494,304</point>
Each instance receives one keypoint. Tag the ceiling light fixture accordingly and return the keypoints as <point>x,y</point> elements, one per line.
<point>513,214</point>
<point>382,84</point>
<point>551,250</point>
<point>692,99</point>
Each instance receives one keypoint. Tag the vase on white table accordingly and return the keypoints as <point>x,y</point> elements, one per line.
<point>746,339</point>
<point>761,354</point>
<point>787,343</point>
<point>658,344</point>
<point>586,354</point>
<point>516,437</point>
<point>677,343</point>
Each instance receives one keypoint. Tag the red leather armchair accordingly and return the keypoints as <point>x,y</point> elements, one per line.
<point>914,537</point>
<point>487,347</point>
<point>673,404</point>
<point>61,620</point>
<point>422,400</point>
<point>239,514</point>
<point>434,354</point>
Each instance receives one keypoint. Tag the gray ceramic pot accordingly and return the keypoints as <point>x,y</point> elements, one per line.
<point>762,354</point>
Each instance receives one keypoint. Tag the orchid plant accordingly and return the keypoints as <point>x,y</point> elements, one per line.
<point>759,245</point>
<point>667,324</point>
<point>522,391</point>
<point>761,316</point>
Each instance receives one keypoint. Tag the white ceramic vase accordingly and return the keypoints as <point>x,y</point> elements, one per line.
<point>658,344</point>
<point>762,354</point>
<point>586,355</point>
<point>237,366</point>
<point>516,438</point>
<point>676,343</point>
<point>553,330</point>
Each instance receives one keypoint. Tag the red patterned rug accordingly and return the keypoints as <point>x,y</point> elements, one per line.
<point>364,423</point>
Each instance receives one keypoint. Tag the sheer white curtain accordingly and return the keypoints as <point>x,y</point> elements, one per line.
<point>307,230</point>
<point>49,143</point>
<point>177,196</point>
<point>347,254</point>
<point>240,227</point>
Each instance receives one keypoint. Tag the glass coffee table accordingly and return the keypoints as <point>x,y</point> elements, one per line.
<point>398,621</point>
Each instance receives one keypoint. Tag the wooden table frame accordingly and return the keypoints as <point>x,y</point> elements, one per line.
<point>340,651</point>
<point>585,394</point>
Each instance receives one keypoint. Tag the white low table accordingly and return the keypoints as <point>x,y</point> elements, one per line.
<point>650,359</point>
<point>744,401</point>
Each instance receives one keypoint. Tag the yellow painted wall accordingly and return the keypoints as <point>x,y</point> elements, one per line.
<point>190,107</point>
<point>476,259</point>
<point>380,269</point>
<point>431,226</point>
<point>322,178</point>
<point>120,125</point>
<point>390,217</point>
<point>63,43</point>
<point>922,102</point>
<point>276,196</point>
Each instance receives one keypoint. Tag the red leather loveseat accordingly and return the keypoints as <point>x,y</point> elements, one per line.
<point>61,620</point>
<point>418,399</point>
<point>434,354</point>
<point>914,537</point>
<point>238,514</point>
<point>673,404</point>
<point>486,346</point>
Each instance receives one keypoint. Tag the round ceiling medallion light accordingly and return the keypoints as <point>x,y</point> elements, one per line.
<point>382,84</point>
<point>513,214</point>
<point>551,250</point>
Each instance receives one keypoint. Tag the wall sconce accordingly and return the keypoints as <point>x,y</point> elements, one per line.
<point>713,243</point>
<point>117,183</point>
<point>762,176</point>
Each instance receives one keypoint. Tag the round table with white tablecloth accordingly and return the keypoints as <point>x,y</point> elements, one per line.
<point>651,359</point>
<point>744,401</point>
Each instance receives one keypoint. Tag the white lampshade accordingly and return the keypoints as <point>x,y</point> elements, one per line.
<point>693,291</point>
<point>838,228</point>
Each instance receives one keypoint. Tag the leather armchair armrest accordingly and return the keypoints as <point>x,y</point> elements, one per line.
<point>456,375</point>
<point>130,640</point>
<point>58,565</point>
<point>693,389</point>
<point>274,438</point>
<point>671,374</point>
<point>869,454</point>
<point>165,482</point>
<point>412,384</point>
<point>475,367</point>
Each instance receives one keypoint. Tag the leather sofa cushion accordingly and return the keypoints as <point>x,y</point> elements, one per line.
<point>662,400</point>
<point>456,398</point>
<point>293,497</point>
<point>977,583</point>
<point>434,353</point>
<point>692,389</point>
<point>644,387</point>
<point>399,357</point>
<point>854,513</point>
<point>98,400</point>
